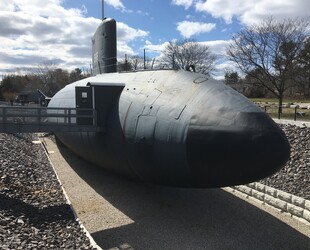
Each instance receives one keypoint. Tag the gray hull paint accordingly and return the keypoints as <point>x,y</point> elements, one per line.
<point>178,128</point>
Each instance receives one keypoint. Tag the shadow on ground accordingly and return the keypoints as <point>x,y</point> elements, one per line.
<point>175,218</point>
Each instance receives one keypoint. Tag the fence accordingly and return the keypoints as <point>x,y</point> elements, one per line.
<point>18,119</point>
<point>293,112</point>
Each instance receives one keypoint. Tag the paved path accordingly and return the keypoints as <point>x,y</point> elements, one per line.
<point>121,214</point>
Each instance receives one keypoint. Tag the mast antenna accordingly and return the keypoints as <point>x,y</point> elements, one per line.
<point>102,10</point>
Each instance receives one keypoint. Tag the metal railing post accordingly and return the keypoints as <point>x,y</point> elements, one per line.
<point>39,118</point>
<point>69,117</point>
<point>66,118</point>
<point>95,117</point>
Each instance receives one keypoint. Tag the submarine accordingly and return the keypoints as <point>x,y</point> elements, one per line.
<point>169,126</point>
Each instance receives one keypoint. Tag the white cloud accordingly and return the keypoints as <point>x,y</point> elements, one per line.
<point>189,29</point>
<point>253,11</point>
<point>157,48</point>
<point>278,9</point>
<point>188,17</point>
<point>142,13</point>
<point>185,3</point>
<point>32,32</point>
<point>217,47</point>
<point>117,4</point>
<point>125,35</point>
<point>225,9</point>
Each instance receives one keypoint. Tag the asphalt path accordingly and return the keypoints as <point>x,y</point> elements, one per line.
<point>121,214</point>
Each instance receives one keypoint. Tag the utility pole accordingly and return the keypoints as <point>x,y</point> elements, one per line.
<point>144,58</point>
<point>126,63</point>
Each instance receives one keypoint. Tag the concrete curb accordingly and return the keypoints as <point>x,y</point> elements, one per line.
<point>88,235</point>
<point>296,206</point>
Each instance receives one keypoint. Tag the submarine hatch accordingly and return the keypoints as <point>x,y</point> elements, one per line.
<point>100,96</point>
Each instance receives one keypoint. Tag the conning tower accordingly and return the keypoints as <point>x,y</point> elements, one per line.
<point>104,47</point>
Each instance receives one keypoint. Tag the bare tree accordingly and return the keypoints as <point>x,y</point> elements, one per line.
<point>269,52</point>
<point>185,53</point>
<point>133,63</point>
<point>138,62</point>
<point>305,68</point>
<point>124,65</point>
<point>45,72</point>
<point>50,79</point>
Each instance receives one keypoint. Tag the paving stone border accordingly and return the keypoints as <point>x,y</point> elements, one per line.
<point>292,204</point>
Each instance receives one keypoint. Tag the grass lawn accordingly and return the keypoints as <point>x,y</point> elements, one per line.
<point>275,100</point>
<point>287,113</point>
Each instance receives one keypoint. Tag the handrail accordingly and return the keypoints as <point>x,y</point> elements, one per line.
<point>37,119</point>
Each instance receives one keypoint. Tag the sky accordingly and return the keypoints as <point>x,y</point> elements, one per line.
<point>36,32</point>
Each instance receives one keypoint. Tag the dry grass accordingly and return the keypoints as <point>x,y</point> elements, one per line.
<point>270,106</point>
<point>275,100</point>
<point>289,113</point>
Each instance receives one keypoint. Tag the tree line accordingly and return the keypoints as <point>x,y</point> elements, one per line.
<point>46,77</point>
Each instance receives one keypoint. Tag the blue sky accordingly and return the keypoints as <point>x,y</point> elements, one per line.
<point>60,31</point>
<point>160,19</point>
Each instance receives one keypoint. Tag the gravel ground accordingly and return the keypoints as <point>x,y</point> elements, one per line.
<point>294,178</point>
<point>33,210</point>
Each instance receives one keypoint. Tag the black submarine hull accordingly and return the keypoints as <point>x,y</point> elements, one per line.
<point>177,128</point>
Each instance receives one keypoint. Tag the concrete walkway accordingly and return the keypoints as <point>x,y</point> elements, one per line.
<point>121,214</point>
